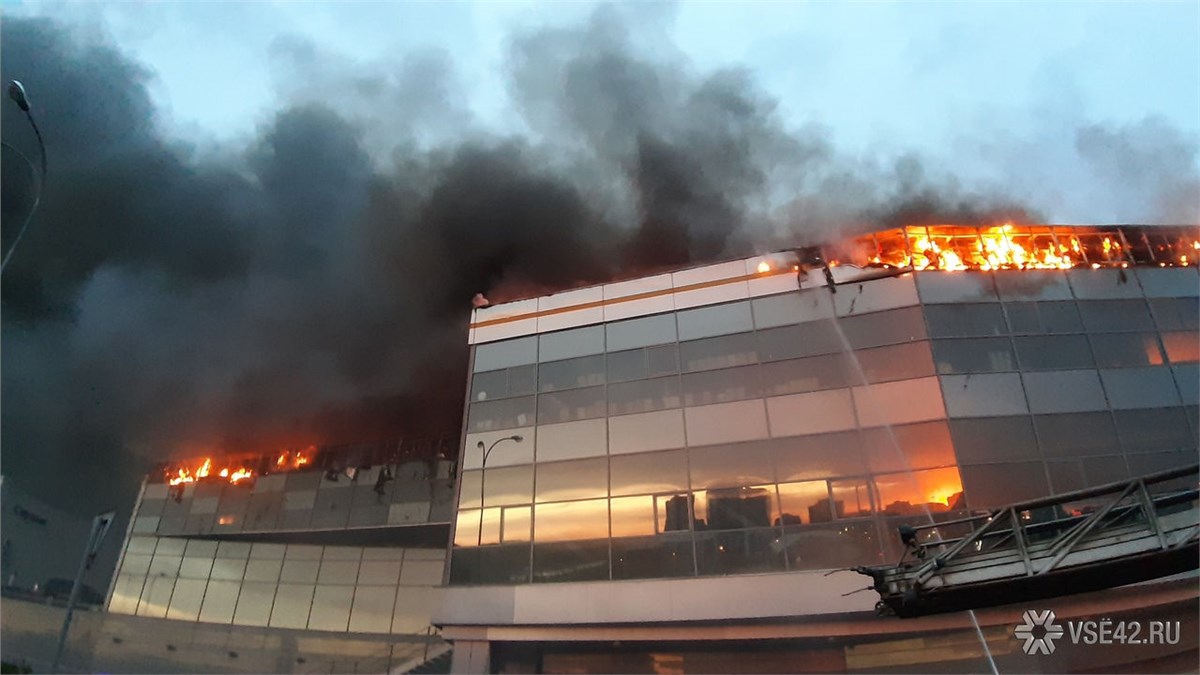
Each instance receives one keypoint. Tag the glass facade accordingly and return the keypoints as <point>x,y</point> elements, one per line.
<point>764,435</point>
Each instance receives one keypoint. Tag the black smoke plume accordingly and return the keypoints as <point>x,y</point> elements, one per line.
<point>314,286</point>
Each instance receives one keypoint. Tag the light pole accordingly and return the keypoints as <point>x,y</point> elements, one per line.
<point>483,474</point>
<point>100,526</point>
<point>16,91</point>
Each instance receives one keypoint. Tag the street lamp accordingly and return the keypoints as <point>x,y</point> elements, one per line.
<point>16,91</point>
<point>483,474</point>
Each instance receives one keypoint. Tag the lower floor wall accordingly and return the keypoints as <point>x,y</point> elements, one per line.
<point>107,642</point>
<point>862,644</point>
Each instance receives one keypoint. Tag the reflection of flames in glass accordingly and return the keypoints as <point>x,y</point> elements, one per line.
<point>956,248</point>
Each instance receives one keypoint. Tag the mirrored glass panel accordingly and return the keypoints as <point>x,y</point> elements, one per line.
<point>1077,434</point>
<point>908,446</point>
<point>731,465</point>
<point>632,516</point>
<point>1053,352</point>
<point>718,352</point>
<point>966,320</point>
<point>917,493</point>
<point>503,414</point>
<point>993,439</point>
<point>739,552</point>
<point>1154,429</point>
<point>896,362</point>
<point>660,393</point>
<point>562,481</point>
<point>831,546</point>
<point>808,374</point>
<point>714,320</point>
<point>736,507</point>
<point>517,524</point>
<point>571,405</point>
<point>292,605</point>
<point>1105,316</point>
<point>720,386</point>
<point>571,561</point>
<point>566,344</point>
<point>973,355</point>
<point>851,497</point>
<point>996,485</point>
<point>641,332</point>
<point>1182,347</point>
<point>648,473</point>
<point>652,557</point>
<point>885,328</point>
<point>806,339</point>
<point>1176,313</point>
<point>819,456</point>
<point>1116,350</point>
<point>571,373</point>
<point>805,503</point>
<point>1040,318</point>
<point>571,521</point>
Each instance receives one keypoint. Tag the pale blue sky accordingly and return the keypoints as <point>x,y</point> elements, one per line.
<point>972,84</point>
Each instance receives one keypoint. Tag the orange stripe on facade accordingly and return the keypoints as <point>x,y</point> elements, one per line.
<point>630,298</point>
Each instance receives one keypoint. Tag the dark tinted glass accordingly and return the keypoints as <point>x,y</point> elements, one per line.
<point>885,328</point>
<point>492,384</point>
<point>502,414</point>
<point>490,565</point>
<point>997,485</point>
<point>1103,470</point>
<point>1154,429</point>
<point>507,485</point>
<point>851,497</point>
<point>1176,313</point>
<point>736,552</point>
<point>660,393</point>
<point>627,365</point>
<point>1066,475</point>
<point>806,339</point>
<point>896,362</point>
<point>1115,350</point>
<point>662,360</point>
<point>819,547</point>
<point>652,557</point>
<point>965,320</point>
<point>736,508</point>
<point>571,373</point>
<point>719,352</point>
<point>1103,316</point>
<point>1076,434</point>
<point>570,405</point>
<point>1036,318</point>
<point>721,386</point>
<point>973,355</point>
<point>993,439</point>
<point>1182,346</point>
<point>1053,352</point>
<point>814,373</point>
<point>570,561</point>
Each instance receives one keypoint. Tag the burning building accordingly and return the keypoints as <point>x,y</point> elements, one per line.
<point>664,474</point>
<point>335,549</point>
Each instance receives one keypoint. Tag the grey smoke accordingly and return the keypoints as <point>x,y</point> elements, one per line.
<point>314,285</point>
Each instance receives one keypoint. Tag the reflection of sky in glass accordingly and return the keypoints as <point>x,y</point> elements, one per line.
<point>632,516</point>
<point>571,521</point>
<point>905,492</point>
<point>808,502</point>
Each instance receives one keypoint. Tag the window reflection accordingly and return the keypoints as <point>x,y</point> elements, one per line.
<point>719,352</point>
<point>919,492</point>
<point>518,522</point>
<point>808,374</point>
<point>831,546</point>
<point>1102,316</point>
<point>908,446</point>
<point>818,456</point>
<point>805,503</point>
<point>897,362</point>
<point>570,405</point>
<point>965,320</point>
<point>736,508</point>
<point>647,473</point>
<point>885,328</point>
<point>562,481</point>
<point>721,386</point>
<point>573,561</point>
<point>571,373</point>
<point>1076,434</point>
<point>1038,318</point>
<point>983,355</point>
<point>1182,347</point>
<point>1053,352</point>
<point>1176,313</point>
<point>739,551</point>
<point>652,557</point>
<point>672,512</point>
<point>571,521</point>
<point>1114,350</point>
<point>644,396</point>
<point>502,414</point>
<point>731,465</point>
<point>807,339</point>
<point>632,516</point>
<point>851,497</point>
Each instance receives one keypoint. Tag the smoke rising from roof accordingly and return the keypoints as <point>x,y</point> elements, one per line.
<point>314,286</point>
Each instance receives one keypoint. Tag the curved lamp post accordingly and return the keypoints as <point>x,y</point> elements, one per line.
<point>483,475</point>
<point>16,91</point>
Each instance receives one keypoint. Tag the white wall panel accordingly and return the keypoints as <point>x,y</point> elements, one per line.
<point>875,295</point>
<point>626,309</point>
<point>811,413</point>
<point>659,430</point>
<point>780,279</point>
<point>506,329</point>
<point>720,292</point>
<point>571,440</point>
<point>576,317</point>
<point>726,422</point>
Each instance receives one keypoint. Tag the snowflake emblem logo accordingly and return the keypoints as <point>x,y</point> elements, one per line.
<point>1050,632</point>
